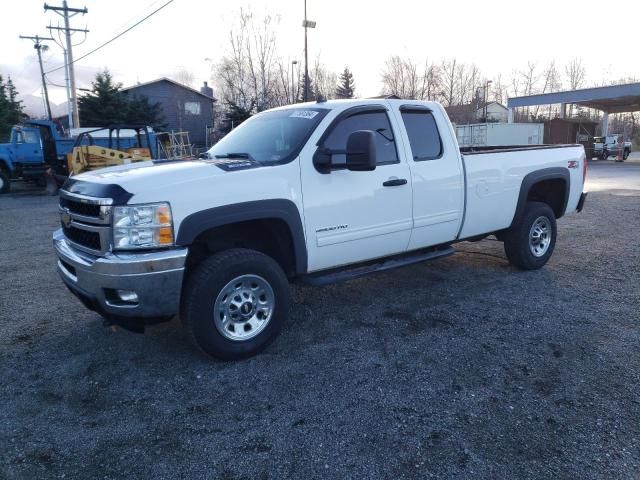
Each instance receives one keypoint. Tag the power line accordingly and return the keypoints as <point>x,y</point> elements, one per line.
<point>114,38</point>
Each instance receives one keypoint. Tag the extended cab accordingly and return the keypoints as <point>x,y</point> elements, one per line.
<point>317,193</point>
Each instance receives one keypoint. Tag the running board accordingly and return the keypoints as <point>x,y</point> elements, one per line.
<point>340,275</point>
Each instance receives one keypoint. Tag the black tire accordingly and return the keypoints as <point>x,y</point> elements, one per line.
<point>5,183</point>
<point>207,282</point>
<point>518,243</point>
<point>625,155</point>
<point>605,155</point>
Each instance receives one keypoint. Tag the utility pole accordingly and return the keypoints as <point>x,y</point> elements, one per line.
<point>38,46</point>
<point>66,71</point>
<point>64,12</point>
<point>306,24</point>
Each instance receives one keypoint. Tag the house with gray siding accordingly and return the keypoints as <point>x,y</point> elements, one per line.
<point>184,108</point>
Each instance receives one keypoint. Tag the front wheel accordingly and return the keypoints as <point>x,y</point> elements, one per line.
<point>234,303</point>
<point>625,155</point>
<point>530,243</point>
<point>5,184</point>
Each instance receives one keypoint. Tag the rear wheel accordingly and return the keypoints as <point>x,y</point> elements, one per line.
<point>530,243</point>
<point>235,303</point>
<point>5,184</point>
<point>604,155</point>
<point>625,155</point>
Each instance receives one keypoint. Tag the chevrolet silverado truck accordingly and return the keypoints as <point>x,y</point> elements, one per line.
<point>315,193</point>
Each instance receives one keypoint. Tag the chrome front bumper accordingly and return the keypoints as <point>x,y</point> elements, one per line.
<point>155,277</point>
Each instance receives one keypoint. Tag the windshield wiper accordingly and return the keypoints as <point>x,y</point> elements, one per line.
<point>233,155</point>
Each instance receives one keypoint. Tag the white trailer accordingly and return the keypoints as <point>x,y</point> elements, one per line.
<point>500,134</point>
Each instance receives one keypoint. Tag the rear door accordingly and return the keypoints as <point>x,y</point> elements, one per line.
<point>355,216</point>
<point>436,174</point>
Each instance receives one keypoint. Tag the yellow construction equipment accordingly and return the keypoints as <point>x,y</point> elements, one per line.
<point>91,157</point>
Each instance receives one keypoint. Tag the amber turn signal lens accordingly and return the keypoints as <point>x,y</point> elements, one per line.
<point>165,235</point>
<point>163,215</point>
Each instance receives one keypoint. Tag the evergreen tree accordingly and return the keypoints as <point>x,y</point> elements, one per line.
<point>10,108</point>
<point>234,116</point>
<point>311,95</point>
<point>346,87</point>
<point>106,104</point>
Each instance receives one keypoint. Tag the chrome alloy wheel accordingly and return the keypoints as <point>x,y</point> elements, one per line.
<point>244,307</point>
<point>540,236</point>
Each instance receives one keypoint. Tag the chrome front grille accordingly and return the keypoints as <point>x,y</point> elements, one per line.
<point>86,221</point>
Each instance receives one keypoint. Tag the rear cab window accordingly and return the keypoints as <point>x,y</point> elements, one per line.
<point>424,137</point>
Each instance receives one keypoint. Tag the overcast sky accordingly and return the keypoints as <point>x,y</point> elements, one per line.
<point>497,35</point>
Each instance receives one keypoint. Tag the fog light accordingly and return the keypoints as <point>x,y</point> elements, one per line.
<point>127,296</point>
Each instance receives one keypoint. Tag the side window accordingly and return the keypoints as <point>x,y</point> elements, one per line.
<point>423,134</point>
<point>31,137</point>
<point>378,122</point>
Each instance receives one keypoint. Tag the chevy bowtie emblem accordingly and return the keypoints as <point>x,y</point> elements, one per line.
<point>66,218</point>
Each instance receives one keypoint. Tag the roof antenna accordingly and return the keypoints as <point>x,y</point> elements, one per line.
<point>320,98</point>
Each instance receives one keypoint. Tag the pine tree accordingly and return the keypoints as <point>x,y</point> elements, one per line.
<point>346,87</point>
<point>311,93</point>
<point>106,104</point>
<point>10,108</point>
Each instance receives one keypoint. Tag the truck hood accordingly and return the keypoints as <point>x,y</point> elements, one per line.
<point>142,176</point>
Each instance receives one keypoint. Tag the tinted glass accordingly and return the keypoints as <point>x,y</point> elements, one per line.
<point>375,121</point>
<point>423,135</point>
<point>270,137</point>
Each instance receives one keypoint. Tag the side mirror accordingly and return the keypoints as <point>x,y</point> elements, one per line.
<point>361,151</point>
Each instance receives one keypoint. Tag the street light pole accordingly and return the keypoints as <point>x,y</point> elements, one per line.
<point>306,57</point>
<point>486,99</point>
<point>293,91</point>
<point>306,24</point>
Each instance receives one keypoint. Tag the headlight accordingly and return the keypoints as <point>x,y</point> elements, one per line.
<point>142,226</point>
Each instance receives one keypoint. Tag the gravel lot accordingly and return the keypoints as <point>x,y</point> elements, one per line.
<point>460,368</point>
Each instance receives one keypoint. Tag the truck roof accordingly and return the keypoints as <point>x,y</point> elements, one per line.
<point>346,103</point>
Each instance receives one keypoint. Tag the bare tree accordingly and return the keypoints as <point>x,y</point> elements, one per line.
<point>324,82</point>
<point>500,90</point>
<point>248,73</point>
<point>402,77</point>
<point>449,74</point>
<point>185,77</point>
<point>576,75</point>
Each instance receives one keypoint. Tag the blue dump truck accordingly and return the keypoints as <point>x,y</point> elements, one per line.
<point>36,149</point>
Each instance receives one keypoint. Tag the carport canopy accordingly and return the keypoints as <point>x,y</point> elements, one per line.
<point>611,99</point>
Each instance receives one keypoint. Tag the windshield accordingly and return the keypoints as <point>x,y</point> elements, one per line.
<point>270,137</point>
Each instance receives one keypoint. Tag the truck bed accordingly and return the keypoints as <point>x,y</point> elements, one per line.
<point>510,148</point>
<point>494,175</point>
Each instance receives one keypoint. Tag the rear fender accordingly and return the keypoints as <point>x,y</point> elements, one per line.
<point>533,178</point>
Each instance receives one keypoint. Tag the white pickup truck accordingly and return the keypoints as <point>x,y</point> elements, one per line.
<point>316,192</point>
<point>604,147</point>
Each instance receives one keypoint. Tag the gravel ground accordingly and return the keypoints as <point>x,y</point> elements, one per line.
<point>460,368</point>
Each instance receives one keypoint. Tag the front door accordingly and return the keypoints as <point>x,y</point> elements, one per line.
<point>356,216</point>
<point>28,148</point>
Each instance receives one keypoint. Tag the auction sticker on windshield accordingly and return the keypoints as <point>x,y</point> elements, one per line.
<point>308,114</point>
